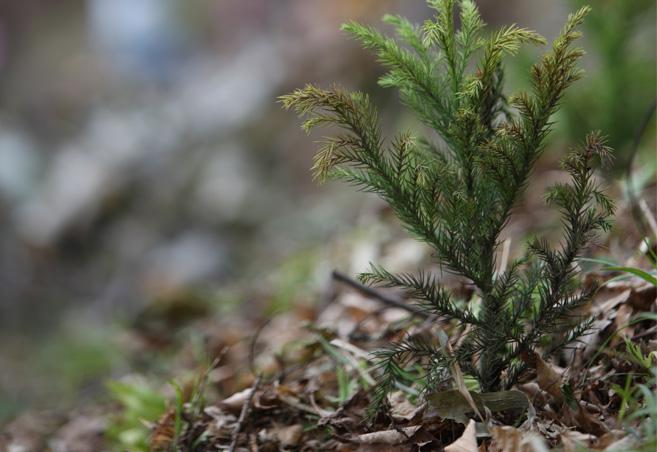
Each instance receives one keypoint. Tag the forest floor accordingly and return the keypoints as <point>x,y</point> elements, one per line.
<point>295,372</point>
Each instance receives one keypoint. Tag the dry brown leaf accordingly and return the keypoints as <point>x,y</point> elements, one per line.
<point>467,442</point>
<point>289,436</point>
<point>393,315</point>
<point>590,423</point>
<point>388,437</point>
<point>463,389</point>
<point>359,306</point>
<point>505,439</point>
<point>610,303</point>
<point>624,444</point>
<point>622,320</point>
<point>548,379</point>
<point>401,409</point>
<point>235,402</point>
<point>643,297</point>
<point>163,433</point>
<point>534,393</point>
<point>459,379</point>
<point>609,438</point>
<point>510,439</point>
<point>573,440</point>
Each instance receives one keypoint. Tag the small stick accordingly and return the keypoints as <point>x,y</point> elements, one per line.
<point>246,407</point>
<point>372,293</point>
<point>252,346</point>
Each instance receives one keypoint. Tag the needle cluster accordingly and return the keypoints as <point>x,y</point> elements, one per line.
<point>456,190</point>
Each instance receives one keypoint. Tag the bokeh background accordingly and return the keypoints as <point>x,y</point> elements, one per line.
<point>145,162</point>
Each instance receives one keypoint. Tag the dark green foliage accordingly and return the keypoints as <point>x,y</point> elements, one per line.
<point>457,194</point>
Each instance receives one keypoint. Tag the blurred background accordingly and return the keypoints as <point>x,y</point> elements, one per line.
<point>146,165</point>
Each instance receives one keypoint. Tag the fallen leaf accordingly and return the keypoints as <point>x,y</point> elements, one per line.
<point>624,444</point>
<point>505,438</point>
<point>401,409</point>
<point>457,374</point>
<point>609,438</point>
<point>590,423</point>
<point>235,402</point>
<point>537,396</point>
<point>622,321</point>
<point>548,379</point>
<point>643,297</point>
<point>390,437</point>
<point>573,441</point>
<point>222,423</point>
<point>610,303</point>
<point>163,433</point>
<point>467,442</point>
<point>510,439</point>
<point>289,436</point>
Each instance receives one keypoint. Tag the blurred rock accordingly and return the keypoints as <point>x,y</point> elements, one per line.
<point>225,182</point>
<point>190,258</point>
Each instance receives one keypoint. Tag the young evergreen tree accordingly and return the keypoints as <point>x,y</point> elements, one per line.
<point>458,194</point>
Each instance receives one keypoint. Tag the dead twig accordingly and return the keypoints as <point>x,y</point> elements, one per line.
<point>246,407</point>
<point>375,294</point>
<point>254,341</point>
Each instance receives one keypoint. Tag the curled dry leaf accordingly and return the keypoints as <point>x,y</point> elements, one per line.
<point>549,379</point>
<point>235,402</point>
<point>388,437</point>
<point>459,379</point>
<point>467,442</point>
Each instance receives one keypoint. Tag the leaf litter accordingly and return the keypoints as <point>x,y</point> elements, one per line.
<point>301,381</point>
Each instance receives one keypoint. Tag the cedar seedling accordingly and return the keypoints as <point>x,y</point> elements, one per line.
<point>457,194</point>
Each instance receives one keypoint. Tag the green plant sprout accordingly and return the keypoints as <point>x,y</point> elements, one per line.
<point>457,193</point>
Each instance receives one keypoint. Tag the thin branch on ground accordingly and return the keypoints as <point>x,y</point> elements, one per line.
<point>246,408</point>
<point>388,300</point>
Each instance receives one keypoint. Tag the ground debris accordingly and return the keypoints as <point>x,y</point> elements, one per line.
<point>317,377</point>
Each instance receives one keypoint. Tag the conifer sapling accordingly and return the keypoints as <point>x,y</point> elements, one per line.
<point>457,194</point>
